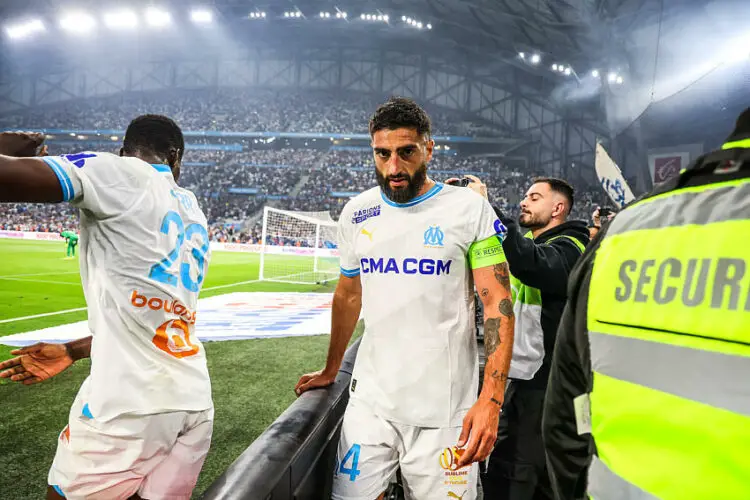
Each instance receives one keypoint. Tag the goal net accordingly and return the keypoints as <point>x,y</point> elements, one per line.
<point>298,247</point>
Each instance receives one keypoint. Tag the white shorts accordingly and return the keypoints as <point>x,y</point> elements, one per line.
<point>155,456</point>
<point>371,449</point>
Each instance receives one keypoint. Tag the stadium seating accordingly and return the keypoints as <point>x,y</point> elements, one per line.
<point>233,186</point>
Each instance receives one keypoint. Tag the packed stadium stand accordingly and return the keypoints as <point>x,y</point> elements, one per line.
<point>233,186</point>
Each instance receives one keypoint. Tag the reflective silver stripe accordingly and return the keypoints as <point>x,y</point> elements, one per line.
<point>606,485</point>
<point>712,378</point>
<point>681,208</point>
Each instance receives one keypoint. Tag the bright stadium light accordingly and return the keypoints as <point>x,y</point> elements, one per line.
<point>202,16</point>
<point>535,59</point>
<point>114,137</point>
<point>286,14</point>
<point>429,26</point>
<point>124,19</point>
<point>554,67</point>
<point>157,17</point>
<point>595,73</point>
<point>619,80</point>
<point>386,18</point>
<point>568,71</point>
<point>612,77</point>
<point>23,30</point>
<point>419,26</point>
<point>522,55</point>
<point>77,23</point>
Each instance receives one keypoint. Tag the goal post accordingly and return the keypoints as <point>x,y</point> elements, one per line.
<point>298,247</point>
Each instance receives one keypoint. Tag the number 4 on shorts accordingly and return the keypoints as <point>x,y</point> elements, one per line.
<point>353,472</point>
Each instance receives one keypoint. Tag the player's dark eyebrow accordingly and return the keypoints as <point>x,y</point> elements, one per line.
<point>401,149</point>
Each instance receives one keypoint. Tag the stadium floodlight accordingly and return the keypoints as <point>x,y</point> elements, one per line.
<point>554,67</point>
<point>202,16</point>
<point>612,77</point>
<point>23,30</point>
<point>157,17</point>
<point>535,59</point>
<point>286,14</point>
<point>522,55</point>
<point>72,134</point>
<point>619,80</point>
<point>419,26</point>
<point>328,14</point>
<point>403,18</point>
<point>298,14</point>
<point>595,73</point>
<point>78,23</point>
<point>429,26</point>
<point>121,19</point>
<point>568,71</point>
<point>386,18</point>
<point>114,137</point>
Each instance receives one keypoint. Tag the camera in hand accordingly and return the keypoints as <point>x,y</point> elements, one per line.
<point>459,182</point>
<point>605,212</point>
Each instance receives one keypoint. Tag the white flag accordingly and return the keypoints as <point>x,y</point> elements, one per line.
<point>611,178</point>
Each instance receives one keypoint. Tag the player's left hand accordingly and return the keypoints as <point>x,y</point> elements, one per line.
<point>480,430</point>
<point>20,144</point>
<point>36,363</point>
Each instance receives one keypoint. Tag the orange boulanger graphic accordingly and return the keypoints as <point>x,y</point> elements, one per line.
<point>173,337</point>
<point>170,306</point>
<point>65,434</point>
<point>449,463</point>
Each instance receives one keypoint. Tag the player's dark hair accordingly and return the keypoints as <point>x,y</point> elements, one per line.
<point>559,186</point>
<point>401,112</point>
<point>154,134</point>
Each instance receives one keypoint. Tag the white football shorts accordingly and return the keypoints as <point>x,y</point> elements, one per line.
<point>371,449</point>
<point>156,456</point>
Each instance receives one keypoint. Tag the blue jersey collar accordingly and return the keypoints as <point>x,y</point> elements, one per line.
<point>416,201</point>
<point>161,168</point>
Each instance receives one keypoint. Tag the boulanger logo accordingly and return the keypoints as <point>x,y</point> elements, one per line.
<point>433,237</point>
<point>172,336</point>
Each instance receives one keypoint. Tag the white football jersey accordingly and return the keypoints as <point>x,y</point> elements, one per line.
<point>417,364</point>
<point>144,256</point>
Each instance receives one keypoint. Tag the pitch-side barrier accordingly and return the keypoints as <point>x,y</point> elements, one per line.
<point>294,458</point>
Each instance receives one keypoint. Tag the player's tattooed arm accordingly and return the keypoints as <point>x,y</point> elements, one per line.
<point>499,322</point>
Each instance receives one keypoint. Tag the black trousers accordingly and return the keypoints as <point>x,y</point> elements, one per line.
<point>517,468</point>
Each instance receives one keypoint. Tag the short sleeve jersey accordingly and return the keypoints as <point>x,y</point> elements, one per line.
<point>417,363</point>
<point>144,256</point>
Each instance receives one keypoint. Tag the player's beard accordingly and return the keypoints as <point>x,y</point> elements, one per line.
<point>407,193</point>
<point>532,221</point>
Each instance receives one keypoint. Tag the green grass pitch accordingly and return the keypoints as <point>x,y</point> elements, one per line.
<point>252,379</point>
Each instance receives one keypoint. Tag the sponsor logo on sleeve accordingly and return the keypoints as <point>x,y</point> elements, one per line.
<point>366,213</point>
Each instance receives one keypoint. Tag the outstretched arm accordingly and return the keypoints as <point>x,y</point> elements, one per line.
<point>347,302</point>
<point>28,180</point>
<point>42,361</point>
<point>493,284</point>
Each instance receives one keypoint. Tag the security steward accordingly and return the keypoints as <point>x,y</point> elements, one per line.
<point>649,394</point>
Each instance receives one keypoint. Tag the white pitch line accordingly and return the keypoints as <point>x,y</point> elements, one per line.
<point>23,318</point>
<point>40,281</point>
<point>38,274</point>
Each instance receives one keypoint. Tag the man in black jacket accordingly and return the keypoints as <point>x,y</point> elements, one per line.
<point>540,261</point>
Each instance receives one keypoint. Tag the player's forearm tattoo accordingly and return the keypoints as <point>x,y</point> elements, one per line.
<point>491,335</point>
<point>485,292</point>
<point>499,376</point>
<point>506,307</point>
<point>502,275</point>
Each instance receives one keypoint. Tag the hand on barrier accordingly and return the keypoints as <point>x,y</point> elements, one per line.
<point>36,363</point>
<point>479,432</point>
<point>313,380</point>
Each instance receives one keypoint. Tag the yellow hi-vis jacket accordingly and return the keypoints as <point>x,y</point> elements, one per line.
<point>662,302</point>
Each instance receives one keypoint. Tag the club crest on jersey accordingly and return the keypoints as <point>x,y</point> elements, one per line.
<point>364,214</point>
<point>433,237</point>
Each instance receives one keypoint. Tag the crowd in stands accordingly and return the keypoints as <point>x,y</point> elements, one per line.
<point>232,187</point>
<point>234,110</point>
